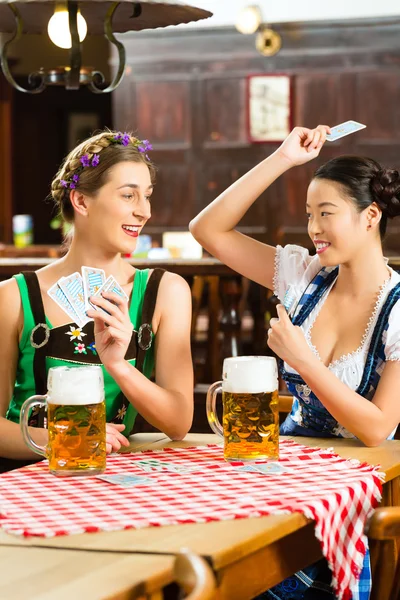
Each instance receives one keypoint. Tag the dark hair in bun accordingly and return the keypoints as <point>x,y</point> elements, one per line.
<point>364,182</point>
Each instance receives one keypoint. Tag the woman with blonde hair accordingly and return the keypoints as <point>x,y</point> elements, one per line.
<point>104,190</point>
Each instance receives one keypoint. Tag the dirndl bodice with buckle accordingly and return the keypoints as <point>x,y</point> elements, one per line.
<point>308,415</point>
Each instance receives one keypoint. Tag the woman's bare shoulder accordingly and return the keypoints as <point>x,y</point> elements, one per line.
<point>173,296</point>
<point>173,283</point>
<point>10,303</point>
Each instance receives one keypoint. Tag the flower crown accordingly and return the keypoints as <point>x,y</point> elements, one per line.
<point>123,139</point>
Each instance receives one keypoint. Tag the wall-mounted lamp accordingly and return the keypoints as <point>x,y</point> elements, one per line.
<point>67,25</point>
<point>250,20</point>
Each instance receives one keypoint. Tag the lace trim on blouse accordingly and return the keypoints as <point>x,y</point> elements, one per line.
<point>277,266</point>
<point>368,330</point>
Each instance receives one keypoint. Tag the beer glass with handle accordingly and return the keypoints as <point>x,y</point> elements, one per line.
<point>76,421</point>
<point>250,408</point>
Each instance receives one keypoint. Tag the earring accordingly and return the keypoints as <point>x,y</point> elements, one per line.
<point>369,226</point>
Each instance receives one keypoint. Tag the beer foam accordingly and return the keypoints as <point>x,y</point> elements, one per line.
<point>75,386</point>
<point>250,374</point>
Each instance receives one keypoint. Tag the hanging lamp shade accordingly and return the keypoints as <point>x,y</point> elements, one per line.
<point>32,16</point>
<point>129,16</point>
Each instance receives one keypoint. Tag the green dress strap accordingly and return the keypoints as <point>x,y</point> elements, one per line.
<point>29,321</point>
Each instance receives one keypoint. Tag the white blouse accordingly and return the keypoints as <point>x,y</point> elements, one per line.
<point>295,267</point>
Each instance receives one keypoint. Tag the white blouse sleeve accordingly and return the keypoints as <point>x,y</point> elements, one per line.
<point>392,343</point>
<point>295,267</point>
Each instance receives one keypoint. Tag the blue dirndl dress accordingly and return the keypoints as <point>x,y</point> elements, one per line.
<point>309,417</point>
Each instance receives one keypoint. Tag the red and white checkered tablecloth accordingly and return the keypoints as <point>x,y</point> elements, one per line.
<point>337,493</point>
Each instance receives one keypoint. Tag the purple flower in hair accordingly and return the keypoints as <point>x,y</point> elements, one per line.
<point>64,183</point>
<point>85,160</point>
<point>118,137</point>
<point>95,160</point>
<point>126,139</point>
<point>72,186</point>
<point>75,178</point>
<point>145,146</point>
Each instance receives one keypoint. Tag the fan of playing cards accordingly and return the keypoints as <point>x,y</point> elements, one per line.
<point>72,293</point>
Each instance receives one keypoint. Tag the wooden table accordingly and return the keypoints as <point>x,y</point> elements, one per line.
<point>237,550</point>
<point>57,574</point>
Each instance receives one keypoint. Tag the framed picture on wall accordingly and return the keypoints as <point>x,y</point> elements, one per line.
<point>269,106</point>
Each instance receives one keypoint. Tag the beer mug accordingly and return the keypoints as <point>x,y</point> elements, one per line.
<point>76,421</point>
<point>250,408</point>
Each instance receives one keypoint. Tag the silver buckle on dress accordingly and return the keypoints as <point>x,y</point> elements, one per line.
<point>303,389</point>
<point>142,329</point>
<point>46,335</point>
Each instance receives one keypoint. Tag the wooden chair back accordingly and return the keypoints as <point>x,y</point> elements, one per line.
<point>383,530</point>
<point>194,576</point>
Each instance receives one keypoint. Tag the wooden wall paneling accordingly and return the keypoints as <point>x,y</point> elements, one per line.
<point>224,105</point>
<point>377,105</point>
<point>172,199</point>
<point>323,98</point>
<point>6,187</point>
<point>163,112</point>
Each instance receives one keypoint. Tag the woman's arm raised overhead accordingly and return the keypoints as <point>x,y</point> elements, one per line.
<point>215,226</point>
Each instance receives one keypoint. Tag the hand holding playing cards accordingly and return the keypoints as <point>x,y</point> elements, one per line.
<point>112,328</point>
<point>302,144</point>
<point>114,437</point>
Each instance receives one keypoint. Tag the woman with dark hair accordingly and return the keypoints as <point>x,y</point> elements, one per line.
<point>104,190</point>
<point>340,343</point>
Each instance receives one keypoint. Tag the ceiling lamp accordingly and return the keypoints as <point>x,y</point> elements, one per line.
<point>67,24</point>
<point>249,20</point>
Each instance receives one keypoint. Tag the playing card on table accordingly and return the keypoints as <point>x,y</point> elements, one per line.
<point>343,129</point>
<point>271,467</point>
<point>57,294</point>
<point>151,465</point>
<point>93,280</point>
<point>72,286</point>
<point>126,480</point>
<point>111,285</point>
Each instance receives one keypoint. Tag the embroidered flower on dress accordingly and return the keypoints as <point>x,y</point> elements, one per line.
<point>92,348</point>
<point>79,348</point>
<point>121,413</point>
<point>75,333</point>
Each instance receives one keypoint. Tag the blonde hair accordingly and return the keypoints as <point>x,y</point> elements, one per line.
<point>91,179</point>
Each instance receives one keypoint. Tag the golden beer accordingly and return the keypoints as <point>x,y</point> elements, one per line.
<point>250,425</point>
<point>77,437</point>
<point>76,421</point>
